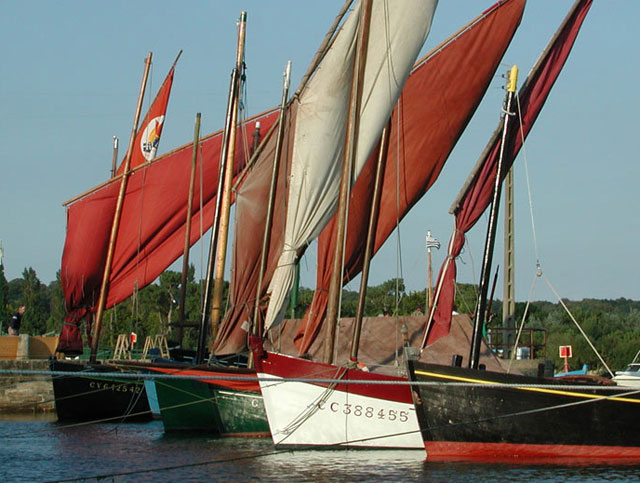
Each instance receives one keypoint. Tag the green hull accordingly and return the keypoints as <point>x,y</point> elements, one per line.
<point>191,405</point>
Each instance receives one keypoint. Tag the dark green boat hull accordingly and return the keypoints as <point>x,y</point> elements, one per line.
<point>192,405</point>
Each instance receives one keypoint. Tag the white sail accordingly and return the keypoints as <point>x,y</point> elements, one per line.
<point>397,32</point>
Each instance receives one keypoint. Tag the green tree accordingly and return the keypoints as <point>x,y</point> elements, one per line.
<point>466,298</point>
<point>382,298</point>
<point>56,306</point>
<point>4,296</point>
<point>35,296</point>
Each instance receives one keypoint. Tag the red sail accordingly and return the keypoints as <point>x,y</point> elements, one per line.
<point>152,229</point>
<point>433,110</point>
<point>147,138</point>
<point>532,96</point>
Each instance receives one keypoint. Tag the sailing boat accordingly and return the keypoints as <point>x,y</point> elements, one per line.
<point>325,409</point>
<point>333,69</point>
<point>149,239</point>
<point>220,400</point>
<point>467,413</point>
<point>106,399</point>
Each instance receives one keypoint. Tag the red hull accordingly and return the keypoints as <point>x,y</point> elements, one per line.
<point>289,367</point>
<point>531,453</point>
<point>250,384</point>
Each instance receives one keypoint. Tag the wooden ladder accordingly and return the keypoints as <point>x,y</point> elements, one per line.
<point>123,349</point>
<point>156,342</point>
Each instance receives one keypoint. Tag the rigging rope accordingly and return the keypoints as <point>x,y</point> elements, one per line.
<point>201,231</point>
<point>399,272</point>
<point>524,318</point>
<point>539,272</point>
<point>577,325</point>
<point>341,444</point>
<point>314,406</point>
<point>526,169</point>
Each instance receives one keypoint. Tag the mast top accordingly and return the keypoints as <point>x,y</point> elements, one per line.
<point>513,79</point>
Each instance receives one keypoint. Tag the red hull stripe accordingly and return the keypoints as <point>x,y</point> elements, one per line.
<point>292,367</point>
<point>258,434</point>
<point>251,384</point>
<point>527,453</point>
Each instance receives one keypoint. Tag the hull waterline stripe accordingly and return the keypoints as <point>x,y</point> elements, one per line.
<point>534,389</point>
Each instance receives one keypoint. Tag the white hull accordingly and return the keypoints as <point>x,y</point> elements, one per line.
<point>302,414</point>
<point>627,380</point>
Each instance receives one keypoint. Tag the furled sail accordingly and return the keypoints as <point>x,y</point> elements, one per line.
<point>476,195</point>
<point>151,233</point>
<point>251,211</point>
<point>396,37</point>
<point>431,114</point>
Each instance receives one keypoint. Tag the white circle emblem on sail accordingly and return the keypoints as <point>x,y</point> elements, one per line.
<point>151,138</point>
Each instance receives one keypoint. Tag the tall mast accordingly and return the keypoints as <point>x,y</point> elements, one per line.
<point>351,141</point>
<point>430,242</point>
<point>114,157</point>
<point>508,300</point>
<point>225,207</point>
<point>104,288</point>
<point>481,304</point>
<point>266,238</point>
<point>187,232</point>
<point>371,238</point>
<point>256,138</point>
<point>208,286</point>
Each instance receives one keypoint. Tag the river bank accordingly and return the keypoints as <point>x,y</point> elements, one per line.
<point>24,393</point>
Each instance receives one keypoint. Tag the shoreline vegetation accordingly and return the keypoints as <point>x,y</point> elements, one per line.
<point>613,326</point>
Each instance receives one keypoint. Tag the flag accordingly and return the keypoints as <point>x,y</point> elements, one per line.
<point>147,139</point>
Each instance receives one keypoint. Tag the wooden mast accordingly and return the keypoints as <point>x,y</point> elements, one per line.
<point>266,238</point>
<point>481,304</point>
<point>104,288</point>
<point>208,286</point>
<point>371,238</point>
<point>187,232</point>
<point>351,140</point>
<point>508,300</point>
<point>114,157</point>
<point>225,207</point>
<point>430,242</point>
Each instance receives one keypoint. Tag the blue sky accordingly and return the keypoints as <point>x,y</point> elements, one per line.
<point>71,73</point>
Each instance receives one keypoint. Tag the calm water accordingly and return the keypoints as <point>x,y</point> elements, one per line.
<point>42,450</point>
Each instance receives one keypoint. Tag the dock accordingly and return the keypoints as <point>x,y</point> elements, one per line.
<point>25,393</point>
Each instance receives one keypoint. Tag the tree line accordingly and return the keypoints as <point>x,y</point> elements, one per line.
<point>613,326</point>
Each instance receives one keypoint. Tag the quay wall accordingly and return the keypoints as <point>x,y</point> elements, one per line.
<point>26,393</point>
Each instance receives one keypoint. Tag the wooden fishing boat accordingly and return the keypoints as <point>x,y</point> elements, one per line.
<point>471,413</point>
<point>379,399</point>
<point>85,396</point>
<point>131,254</point>
<point>202,403</point>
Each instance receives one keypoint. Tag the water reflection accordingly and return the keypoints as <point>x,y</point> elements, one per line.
<point>36,450</point>
<point>25,417</point>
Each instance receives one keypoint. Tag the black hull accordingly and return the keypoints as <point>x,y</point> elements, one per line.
<point>97,399</point>
<point>548,419</point>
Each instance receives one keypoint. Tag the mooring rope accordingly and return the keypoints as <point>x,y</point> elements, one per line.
<point>327,446</point>
<point>313,407</point>
<point>279,380</point>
